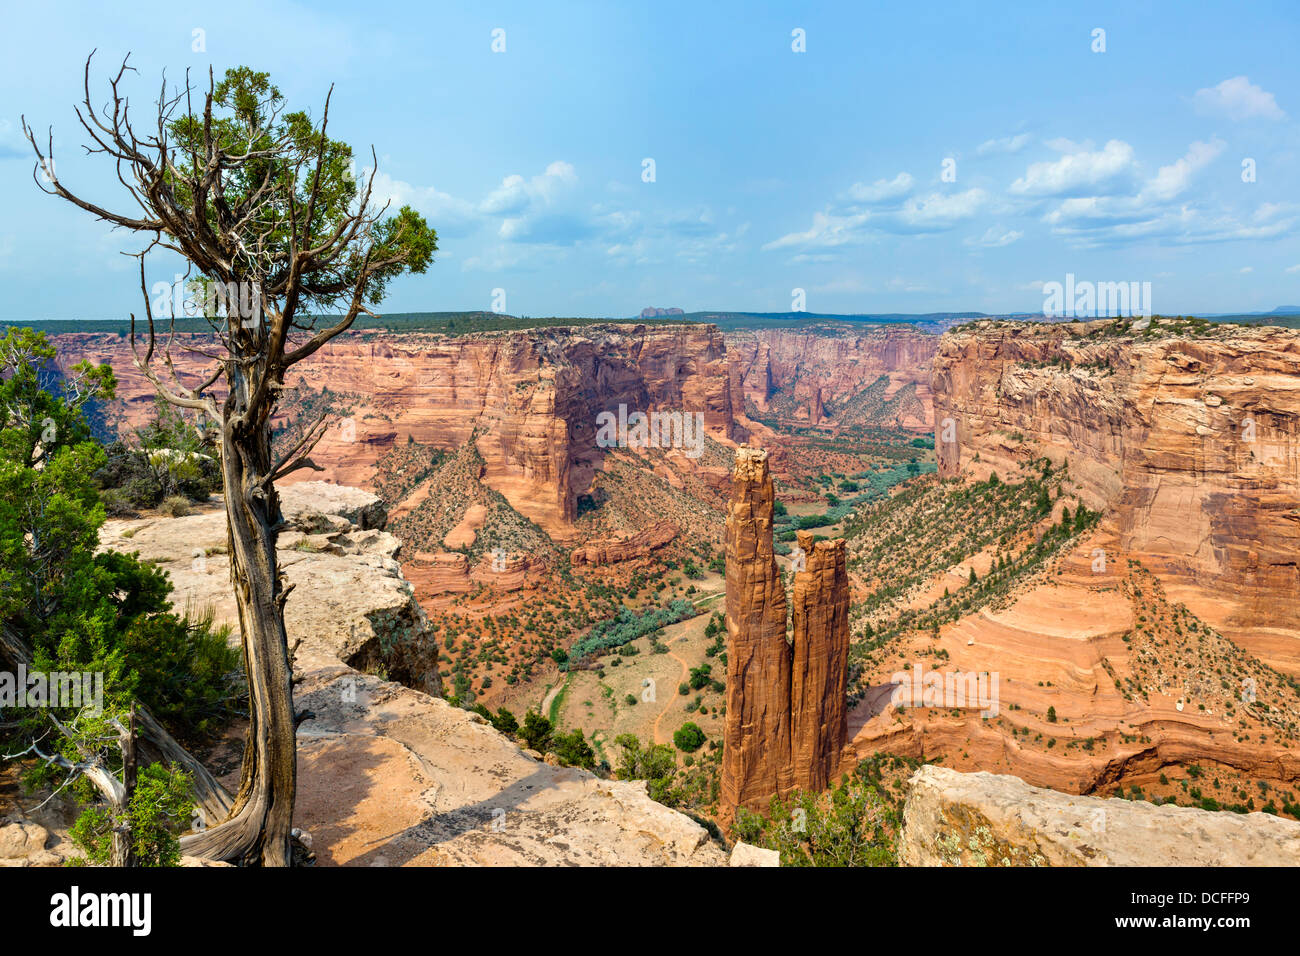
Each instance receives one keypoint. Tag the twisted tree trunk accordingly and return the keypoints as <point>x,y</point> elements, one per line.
<point>261,819</point>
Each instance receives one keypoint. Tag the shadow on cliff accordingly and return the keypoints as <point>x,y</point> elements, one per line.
<point>873,702</point>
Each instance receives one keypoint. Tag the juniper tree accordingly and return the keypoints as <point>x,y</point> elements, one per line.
<point>268,215</point>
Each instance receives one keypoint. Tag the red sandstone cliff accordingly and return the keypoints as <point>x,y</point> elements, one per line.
<point>1190,443</point>
<point>786,714</point>
<point>802,370</point>
<point>529,397</point>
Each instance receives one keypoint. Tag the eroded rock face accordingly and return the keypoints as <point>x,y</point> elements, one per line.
<point>1190,444</point>
<point>391,777</point>
<point>786,709</point>
<point>826,369</point>
<point>755,758</point>
<point>529,399</point>
<point>819,669</point>
<point>629,548</point>
<point>985,819</point>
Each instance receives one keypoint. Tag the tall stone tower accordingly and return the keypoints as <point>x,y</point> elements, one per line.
<point>756,738</point>
<point>786,711</point>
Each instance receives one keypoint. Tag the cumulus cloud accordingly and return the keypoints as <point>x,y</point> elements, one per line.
<point>1077,172</point>
<point>447,214</point>
<point>1146,213</point>
<point>941,210</point>
<point>827,230</point>
<point>1238,99</point>
<point>1173,179</point>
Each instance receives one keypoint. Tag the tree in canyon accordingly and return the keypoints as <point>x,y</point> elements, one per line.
<point>286,243</point>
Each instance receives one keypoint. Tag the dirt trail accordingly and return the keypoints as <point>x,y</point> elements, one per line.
<point>685,674</point>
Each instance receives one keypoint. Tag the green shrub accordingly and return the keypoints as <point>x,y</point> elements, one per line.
<point>689,737</point>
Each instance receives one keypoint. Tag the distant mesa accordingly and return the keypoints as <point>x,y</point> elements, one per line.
<point>650,312</point>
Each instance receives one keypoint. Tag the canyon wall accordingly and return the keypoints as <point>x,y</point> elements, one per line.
<point>1190,445</point>
<point>812,370</point>
<point>786,717</point>
<point>529,399</point>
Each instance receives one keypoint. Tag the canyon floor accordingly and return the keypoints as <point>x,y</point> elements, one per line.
<point>1047,550</point>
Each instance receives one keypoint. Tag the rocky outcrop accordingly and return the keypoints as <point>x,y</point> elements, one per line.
<point>389,775</point>
<point>756,747</point>
<point>1189,442</point>
<point>820,664</point>
<point>805,371</point>
<point>984,819</point>
<point>638,545</point>
<point>786,713</point>
<point>529,399</point>
<point>350,600</point>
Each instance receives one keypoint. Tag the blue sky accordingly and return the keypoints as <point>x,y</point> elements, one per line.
<point>774,170</point>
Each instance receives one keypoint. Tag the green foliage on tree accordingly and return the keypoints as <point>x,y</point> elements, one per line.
<point>573,750</point>
<point>167,458</point>
<point>536,731</point>
<point>161,808</point>
<point>628,625</point>
<point>689,738</point>
<point>854,824</point>
<point>657,765</point>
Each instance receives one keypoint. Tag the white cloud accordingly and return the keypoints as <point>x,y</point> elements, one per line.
<point>1005,144</point>
<point>1292,270</point>
<point>1077,171</point>
<point>13,145</point>
<point>1244,270</point>
<point>1173,179</point>
<point>827,230</point>
<point>1238,99</point>
<point>942,210</point>
<point>882,190</point>
<point>447,214</point>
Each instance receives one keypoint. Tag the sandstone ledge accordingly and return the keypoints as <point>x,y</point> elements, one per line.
<point>984,819</point>
<point>389,775</point>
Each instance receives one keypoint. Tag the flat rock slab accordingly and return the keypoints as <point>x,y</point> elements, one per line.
<point>985,819</point>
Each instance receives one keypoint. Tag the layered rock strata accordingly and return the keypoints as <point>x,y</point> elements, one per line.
<point>818,703</point>
<point>529,399</point>
<point>1190,443</point>
<point>786,715</point>
<point>756,748</point>
<point>828,366</point>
